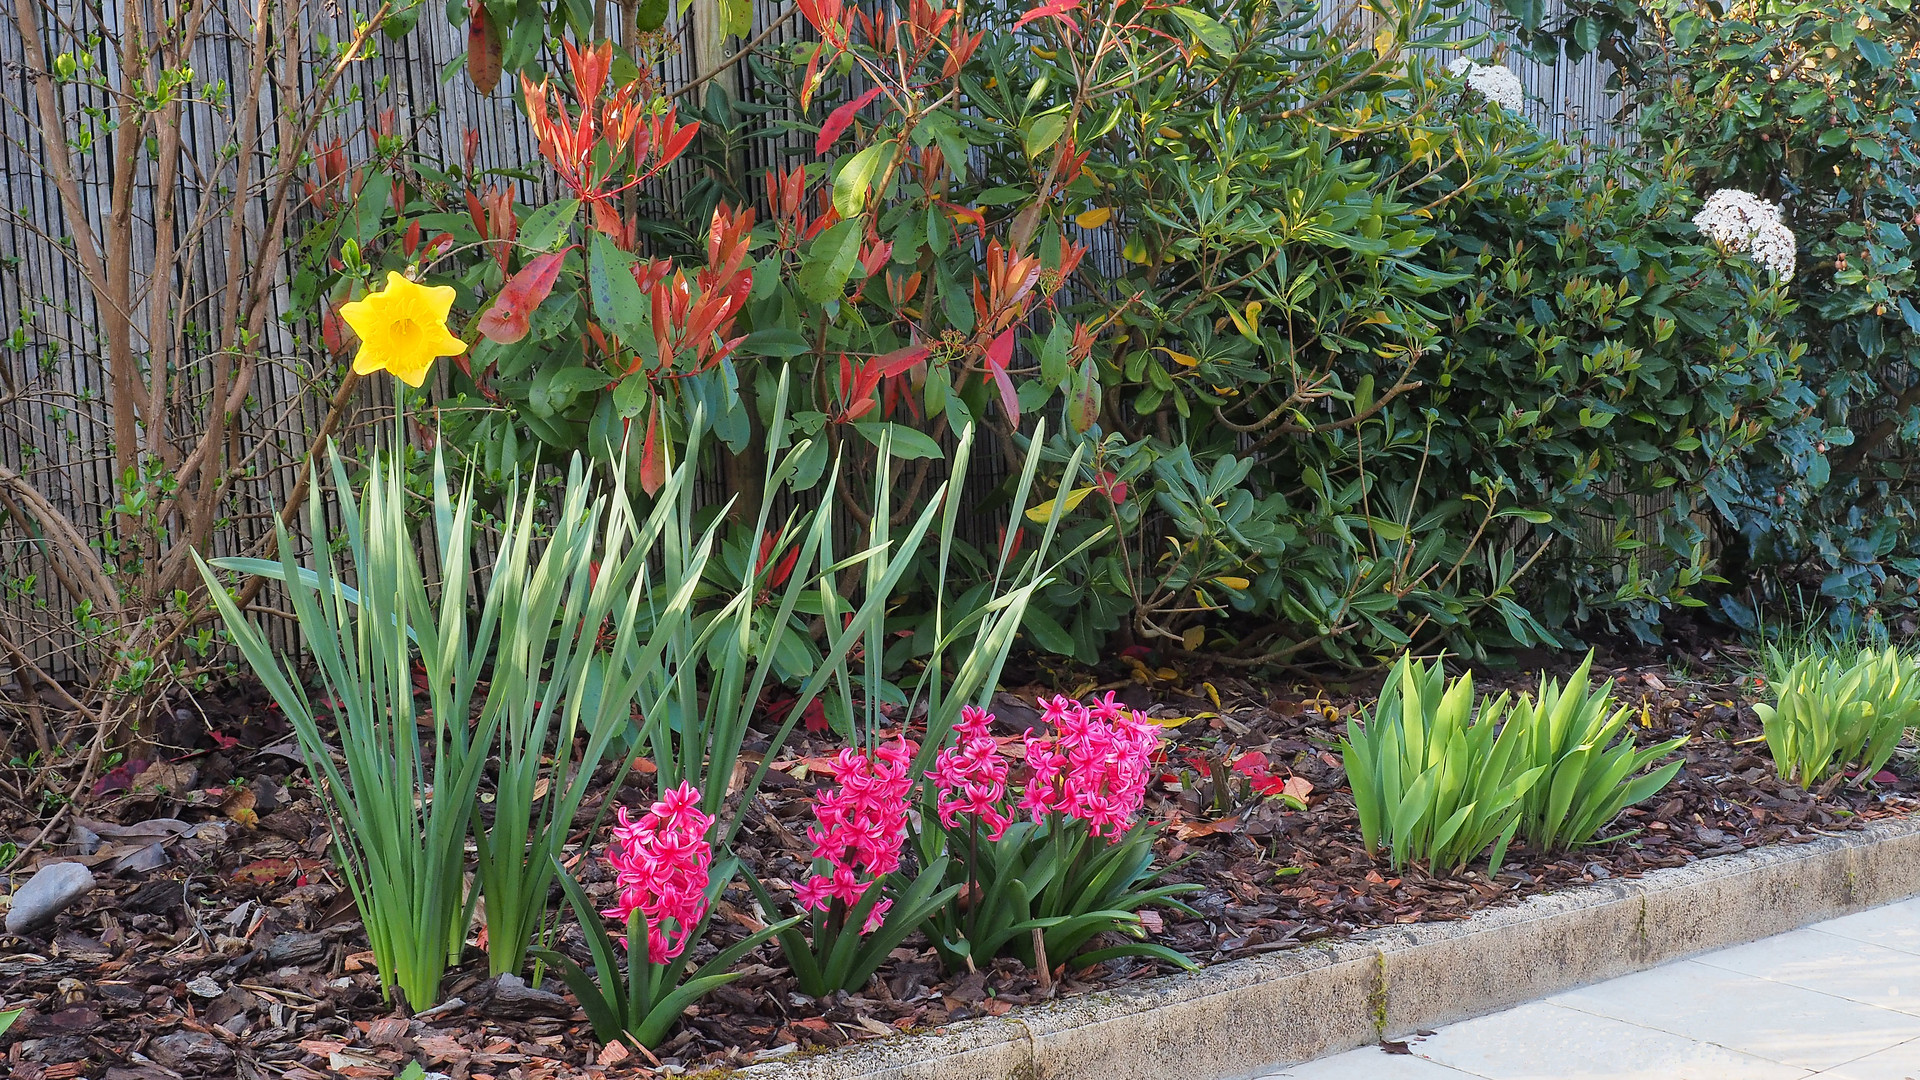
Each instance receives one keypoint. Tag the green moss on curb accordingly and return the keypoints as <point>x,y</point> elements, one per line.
<point>1377,999</point>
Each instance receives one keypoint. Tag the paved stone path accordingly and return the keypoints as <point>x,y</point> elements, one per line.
<point>1839,999</point>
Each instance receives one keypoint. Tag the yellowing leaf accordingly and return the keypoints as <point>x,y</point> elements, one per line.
<point>1194,637</point>
<point>1045,510</point>
<point>1212,694</point>
<point>1094,218</point>
<point>1179,358</point>
<point>1045,54</point>
<point>1168,721</point>
<point>1236,583</point>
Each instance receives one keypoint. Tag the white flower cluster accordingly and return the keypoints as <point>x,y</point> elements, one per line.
<point>1745,224</point>
<point>1493,82</point>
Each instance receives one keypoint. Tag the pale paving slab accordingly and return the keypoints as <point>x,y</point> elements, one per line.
<point>1843,967</point>
<point>1900,1063</point>
<point>1368,1063</point>
<point>1895,926</point>
<point>1838,997</point>
<point>1770,1020</point>
<point>1541,1041</point>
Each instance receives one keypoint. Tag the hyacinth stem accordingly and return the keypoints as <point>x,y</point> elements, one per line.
<point>974,892</point>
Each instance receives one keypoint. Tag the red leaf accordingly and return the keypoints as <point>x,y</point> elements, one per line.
<point>999,354</point>
<point>676,145</point>
<point>508,320</point>
<point>1252,763</point>
<point>334,330</point>
<point>1052,9</point>
<point>899,361</point>
<point>842,117</point>
<point>653,467</point>
<point>483,51</point>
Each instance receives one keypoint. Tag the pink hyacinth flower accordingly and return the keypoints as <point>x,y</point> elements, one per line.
<point>661,863</point>
<point>860,824</point>
<point>970,777</point>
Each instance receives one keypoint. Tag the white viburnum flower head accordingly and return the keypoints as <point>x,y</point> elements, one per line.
<point>1494,82</point>
<point>1741,223</point>
<point>1731,217</point>
<point>1774,247</point>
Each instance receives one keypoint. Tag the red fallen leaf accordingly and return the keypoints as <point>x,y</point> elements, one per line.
<point>821,766</point>
<point>119,778</point>
<point>511,315</point>
<point>223,740</point>
<point>1269,785</point>
<point>1193,830</point>
<point>841,118</point>
<point>483,50</point>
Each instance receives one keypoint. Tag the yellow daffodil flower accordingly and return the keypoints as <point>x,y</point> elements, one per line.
<point>403,329</point>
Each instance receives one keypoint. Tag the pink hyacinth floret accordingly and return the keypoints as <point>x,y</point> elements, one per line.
<point>661,862</point>
<point>970,776</point>
<point>1094,767</point>
<point>861,821</point>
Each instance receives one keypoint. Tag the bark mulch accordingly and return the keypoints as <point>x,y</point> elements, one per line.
<point>221,942</point>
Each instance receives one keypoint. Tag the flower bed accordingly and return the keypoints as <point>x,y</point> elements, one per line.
<point>265,943</point>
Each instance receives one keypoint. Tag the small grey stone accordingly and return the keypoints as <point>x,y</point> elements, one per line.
<point>205,986</point>
<point>1711,837</point>
<point>295,949</point>
<point>50,891</point>
<point>190,1053</point>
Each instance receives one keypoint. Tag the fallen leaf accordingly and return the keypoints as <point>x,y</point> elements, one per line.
<point>875,1026</point>
<point>1193,830</point>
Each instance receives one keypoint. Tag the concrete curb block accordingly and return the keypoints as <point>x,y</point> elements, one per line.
<point>1229,1020</point>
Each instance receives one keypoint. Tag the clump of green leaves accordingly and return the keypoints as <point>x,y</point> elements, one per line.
<point>1434,779</point>
<point>1593,770</point>
<point>1830,710</point>
<point>403,853</point>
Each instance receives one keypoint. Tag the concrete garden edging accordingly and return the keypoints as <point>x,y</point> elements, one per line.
<point>1229,1020</point>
